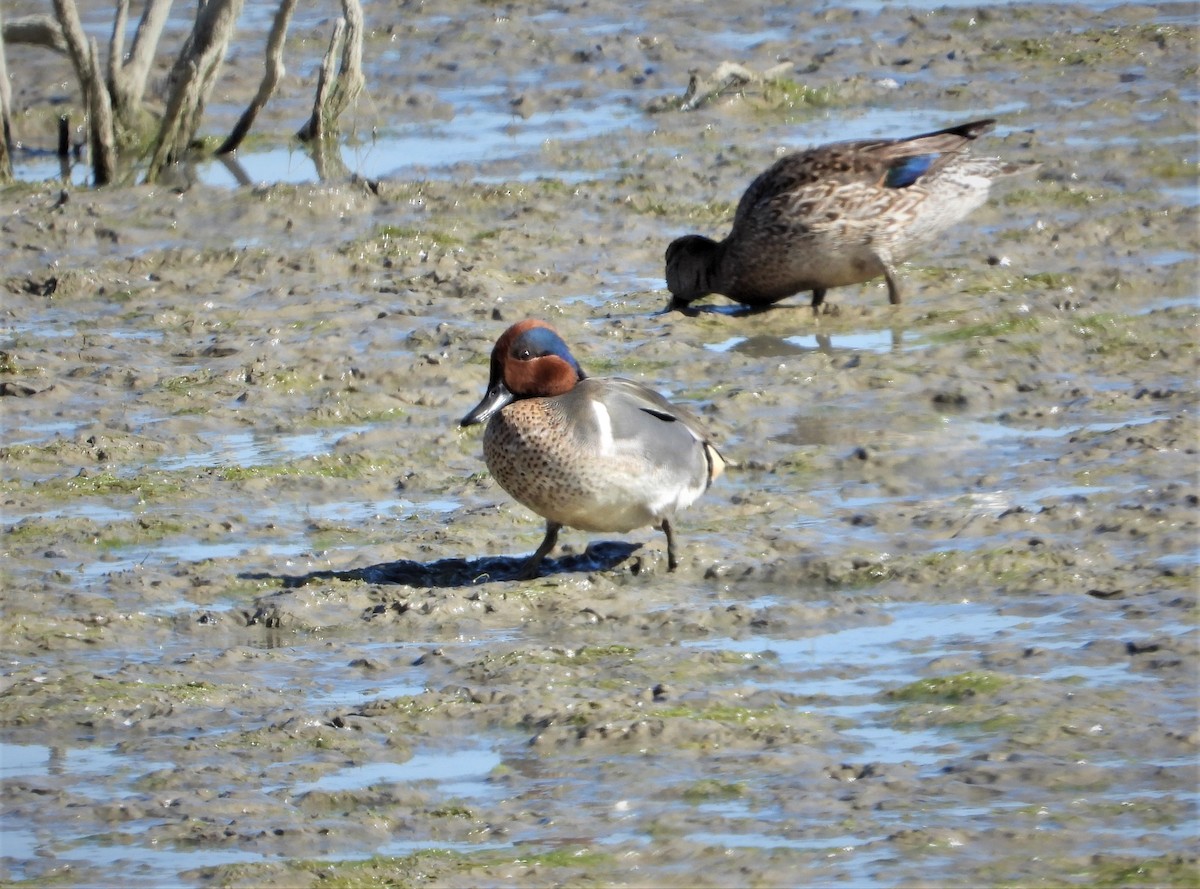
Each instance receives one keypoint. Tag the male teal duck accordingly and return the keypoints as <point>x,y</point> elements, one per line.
<point>837,214</point>
<point>594,454</point>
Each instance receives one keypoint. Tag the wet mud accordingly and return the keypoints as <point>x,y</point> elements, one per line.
<point>937,627</point>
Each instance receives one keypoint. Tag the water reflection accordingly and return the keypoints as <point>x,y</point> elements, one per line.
<point>77,766</point>
<point>259,448</point>
<point>459,773</point>
<point>769,346</point>
<point>846,671</point>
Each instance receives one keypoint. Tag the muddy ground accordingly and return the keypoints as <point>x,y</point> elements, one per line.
<point>938,628</point>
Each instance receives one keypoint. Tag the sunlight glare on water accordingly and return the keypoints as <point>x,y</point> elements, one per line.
<point>767,346</point>
<point>457,772</point>
<point>878,657</point>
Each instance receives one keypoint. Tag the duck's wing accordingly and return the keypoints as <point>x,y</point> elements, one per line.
<point>880,163</point>
<point>644,420</point>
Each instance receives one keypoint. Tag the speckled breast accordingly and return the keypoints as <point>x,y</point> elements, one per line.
<point>532,455</point>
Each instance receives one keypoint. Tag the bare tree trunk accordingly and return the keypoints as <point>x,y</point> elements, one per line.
<point>76,40</point>
<point>112,98</point>
<point>6,169</point>
<point>350,78</point>
<point>192,79</point>
<point>102,135</point>
<point>271,76</point>
<point>116,46</point>
<point>336,94</point>
<point>314,129</point>
<point>127,79</point>
<point>85,57</point>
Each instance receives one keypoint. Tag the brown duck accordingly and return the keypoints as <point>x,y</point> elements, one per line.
<point>837,214</point>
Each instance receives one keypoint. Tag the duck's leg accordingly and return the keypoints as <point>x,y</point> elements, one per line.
<point>817,299</point>
<point>530,569</point>
<point>889,275</point>
<point>672,562</point>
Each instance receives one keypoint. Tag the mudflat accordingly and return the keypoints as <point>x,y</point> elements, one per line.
<point>938,626</point>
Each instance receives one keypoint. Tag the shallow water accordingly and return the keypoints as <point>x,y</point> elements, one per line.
<point>458,773</point>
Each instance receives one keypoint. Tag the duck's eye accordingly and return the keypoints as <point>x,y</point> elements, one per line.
<point>525,355</point>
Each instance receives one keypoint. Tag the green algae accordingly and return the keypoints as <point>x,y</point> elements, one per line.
<point>801,100</point>
<point>569,862</point>
<point>1102,871</point>
<point>1089,47</point>
<point>146,530</point>
<point>40,531</point>
<point>592,653</point>
<point>1000,568</point>
<point>385,872</point>
<point>179,485</point>
<point>556,656</point>
<point>10,365</point>
<point>711,790</point>
<point>451,812</point>
<point>145,486</point>
<point>1106,333</point>
<point>1164,871</point>
<point>1172,166</point>
<point>332,466</point>
<point>710,214</point>
<point>1062,196</point>
<point>987,329</point>
<point>757,717</point>
<point>950,689</point>
<point>398,234</point>
<point>99,700</point>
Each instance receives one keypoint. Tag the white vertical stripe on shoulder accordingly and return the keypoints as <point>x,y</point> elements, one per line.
<point>604,430</point>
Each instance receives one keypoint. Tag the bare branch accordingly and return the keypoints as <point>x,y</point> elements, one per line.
<point>6,168</point>
<point>36,30</point>
<point>271,76</point>
<point>72,31</point>
<point>116,45</point>
<point>129,86</point>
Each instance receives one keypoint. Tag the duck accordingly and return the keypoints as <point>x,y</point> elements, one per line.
<point>838,214</point>
<point>595,454</point>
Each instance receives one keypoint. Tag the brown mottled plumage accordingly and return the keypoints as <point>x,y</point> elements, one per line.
<point>837,214</point>
<point>593,454</point>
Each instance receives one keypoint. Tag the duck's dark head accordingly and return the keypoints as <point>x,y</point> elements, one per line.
<point>691,264</point>
<point>530,360</point>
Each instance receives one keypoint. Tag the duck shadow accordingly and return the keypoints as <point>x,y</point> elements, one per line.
<point>458,572</point>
